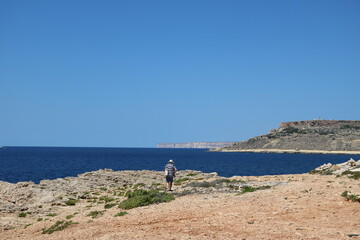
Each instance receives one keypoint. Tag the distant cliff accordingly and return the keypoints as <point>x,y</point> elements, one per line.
<point>315,135</point>
<point>195,145</point>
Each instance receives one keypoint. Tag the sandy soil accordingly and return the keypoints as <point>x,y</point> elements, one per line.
<point>302,207</point>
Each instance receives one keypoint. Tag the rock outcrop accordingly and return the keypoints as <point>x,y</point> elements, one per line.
<point>316,135</point>
<point>348,167</point>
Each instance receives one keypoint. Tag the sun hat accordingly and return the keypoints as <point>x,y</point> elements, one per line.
<point>171,161</point>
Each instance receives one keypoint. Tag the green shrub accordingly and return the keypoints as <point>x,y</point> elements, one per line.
<point>353,175</point>
<point>71,202</point>
<point>322,172</point>
<point>109,205</point>
<point>192,174</point>
<point>291,130</point>
<point>140,198</point>
<point>344,194</point>
<point>200,184</point>
<point>51,215</point>
<point>246,189</point>
<point>40,219</point>
<point>106,199</point>
<point>120,214</point>
<point>350,127</point>
<point>22,214</point>
<point>215,183</point>
<point>28,225</point>
<point>139,185</point>
<point>351,197</point>
<point>59,225</point>
<point>94,214</point>
<point>180,181</point>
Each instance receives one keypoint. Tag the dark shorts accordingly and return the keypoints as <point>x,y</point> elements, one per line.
<point>169,179</point>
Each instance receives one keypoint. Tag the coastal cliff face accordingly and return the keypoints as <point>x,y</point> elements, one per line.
<point>195,145</point>
<point>317,135</point>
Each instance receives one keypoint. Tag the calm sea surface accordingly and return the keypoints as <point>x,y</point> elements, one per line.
<point>37,163</point>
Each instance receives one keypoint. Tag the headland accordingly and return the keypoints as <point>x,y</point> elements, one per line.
<point>314,136</point>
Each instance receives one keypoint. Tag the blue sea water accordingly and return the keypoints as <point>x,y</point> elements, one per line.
<point>37,163</point>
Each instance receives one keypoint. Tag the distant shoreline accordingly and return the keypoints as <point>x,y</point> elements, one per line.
<point>289,151</point>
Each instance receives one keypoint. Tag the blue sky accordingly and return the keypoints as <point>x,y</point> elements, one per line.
<point>136,73</point>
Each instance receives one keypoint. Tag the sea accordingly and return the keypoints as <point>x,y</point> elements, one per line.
<point>19,164</point>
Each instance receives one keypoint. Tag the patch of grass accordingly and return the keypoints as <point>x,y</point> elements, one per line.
<point>180,181</point>
<point>58,226</point>
<point>350,197</point>
<point>139,185</point>
<point>238,181</point>
<point>292,130</point>
<point>109,205</point>
<point>322,172</point>
<point>51,215</point>
<point>139,198</point>
<point>347,126</point>
<point>22,214</point>
<point>71,202</point>
<point>95,214</point>
<point>192,174</point>
<point>28,225</point>
<point>204,184</point>
<point>120,214</point>
<point>69,216</point>
<point>246,189</point>
<point>40,219</point>
<point>106,199</point>
<point>353,175</point>
<point>200,184</point>
<point>103,189</point>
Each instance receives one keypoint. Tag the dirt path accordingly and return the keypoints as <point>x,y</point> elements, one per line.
<point>304,207</point>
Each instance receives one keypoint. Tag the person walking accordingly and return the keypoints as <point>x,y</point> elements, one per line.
<point>170,171</point>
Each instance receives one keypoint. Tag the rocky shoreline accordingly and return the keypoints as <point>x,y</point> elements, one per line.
<point>290,151</point>
<point>89,203</point>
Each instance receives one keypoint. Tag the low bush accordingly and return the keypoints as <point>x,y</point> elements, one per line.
<point>109,205</point>
<point>106,199</point>
<point>51,215</point>
<point>120,214</point>
<point>350,197</point>
<point>291,130</point>
<point>180,181</point>
<point>353,175</point>
<point>71,202</point>
<point>59,225</point>
<point>94,214</point>
<point>322,172</point>
<point>215,183</point>
<point>246,189</point>
<point>139,185</point>
<point>22,214</point>
<point>140,198</point>
<point>192,174</point>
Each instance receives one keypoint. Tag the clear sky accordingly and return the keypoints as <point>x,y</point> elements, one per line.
<point>135,73</point>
